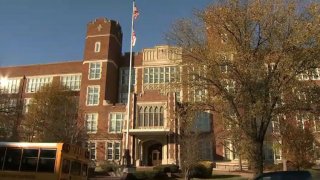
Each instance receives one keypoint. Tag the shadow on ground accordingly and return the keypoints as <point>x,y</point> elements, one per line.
<point>222,176</point>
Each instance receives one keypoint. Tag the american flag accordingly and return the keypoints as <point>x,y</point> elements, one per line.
<point>135,12</point>
<point>134,38</point>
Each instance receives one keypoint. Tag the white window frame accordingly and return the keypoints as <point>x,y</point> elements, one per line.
<point>10,86</point>
<point>26,104</point>
<point>113,149</point>
<point>97,46</point>
<point>90,148</point>
<point>34,84</point>
<point>88,96</point>
<point>113,122</point>
<point>89,119</point>
<point>72,81</point>
<point>94,75</point>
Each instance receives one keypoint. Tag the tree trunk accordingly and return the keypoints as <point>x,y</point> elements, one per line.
<point>187,174</point>
<point>256,158</point>
<point>240,163</point>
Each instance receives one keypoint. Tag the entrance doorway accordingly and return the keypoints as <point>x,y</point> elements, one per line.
<point>155,154</point>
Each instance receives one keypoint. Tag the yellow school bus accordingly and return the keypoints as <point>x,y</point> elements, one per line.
<point>43,161</point>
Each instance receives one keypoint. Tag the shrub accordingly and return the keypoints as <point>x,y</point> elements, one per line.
<point>167,168</point>
<point>110,167</point>
<point>202,169</point>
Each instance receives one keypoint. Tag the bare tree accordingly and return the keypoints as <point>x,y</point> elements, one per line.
<point>54,116</point>
<point>251,56</point>
<point>191,137</point>
<point>10,111</point>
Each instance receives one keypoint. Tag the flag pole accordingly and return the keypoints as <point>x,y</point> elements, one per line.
<point>127,151</point>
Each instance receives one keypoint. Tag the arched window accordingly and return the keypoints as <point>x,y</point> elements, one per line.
<point>151,113</point>
<point>97,46</point>
<point>140,122</point>
<point>156,116</point>
<point>161,117</point>
<point>146,116</point>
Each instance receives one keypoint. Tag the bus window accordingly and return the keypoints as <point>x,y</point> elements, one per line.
<point>2,153</point>
<point>75,168</point>
<point>84,169</point>
<point>66,166</point>
<point>29,160</point>
<point>12,159</point>
<point>47,160</point>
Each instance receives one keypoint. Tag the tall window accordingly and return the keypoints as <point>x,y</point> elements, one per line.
<point>26,104</point>
<point>93,93</point>
<point>227,150</point>
<point>115,125</point>
<point>34,84</point>
<point>92,122</point>
<point>95,70</point>
<point>97,46</point>
<point>71,82</point>
<point>92,150</point>
<point>10,86</point>
<point>316,123</point>
<point>150,117</point>
<point>124,76</point>
<point>158,75</point>
<point>124,81</point>
<point>113,150</point>
<point>205,147</point>
<point>203,122</point>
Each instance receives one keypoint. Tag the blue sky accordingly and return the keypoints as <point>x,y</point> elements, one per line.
<point>45,31</point>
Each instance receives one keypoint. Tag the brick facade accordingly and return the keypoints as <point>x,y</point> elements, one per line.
<point>149,144</point>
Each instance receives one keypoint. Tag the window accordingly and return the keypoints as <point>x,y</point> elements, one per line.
<point>92,150</point>
<point>10,86</point>
<point>316,123</point>
<point>227,151</point>
<point>47,160</point>
<point>8,104</point>
<point>196,95</point>
<point>94,70</point>
<point>93,95</point>
<point>29,160</point>
<point>92,122</point>
<point>159,75</point>
<point>124,81</point>
<point>315,74</point>
<point>113,150</point>
<point>71,82</point>
<point>205,147</point>
<point>124,74</point>
<point>302,120</point>
<point>35,84</point>
<point>203,123</point>
<point>276,125</point>
<point>12,161</point>
<point>150,117</point>
<point>115,125</point>
<point>26,104</point>
<point>2,153</point>
<point>277,152</point>
<point>97,47</point>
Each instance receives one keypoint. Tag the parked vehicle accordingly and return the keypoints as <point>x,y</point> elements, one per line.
<point>285,175</point>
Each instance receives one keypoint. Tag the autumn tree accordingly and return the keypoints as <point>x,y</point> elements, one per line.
<point>250,57</point>
<point>54,116</point>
